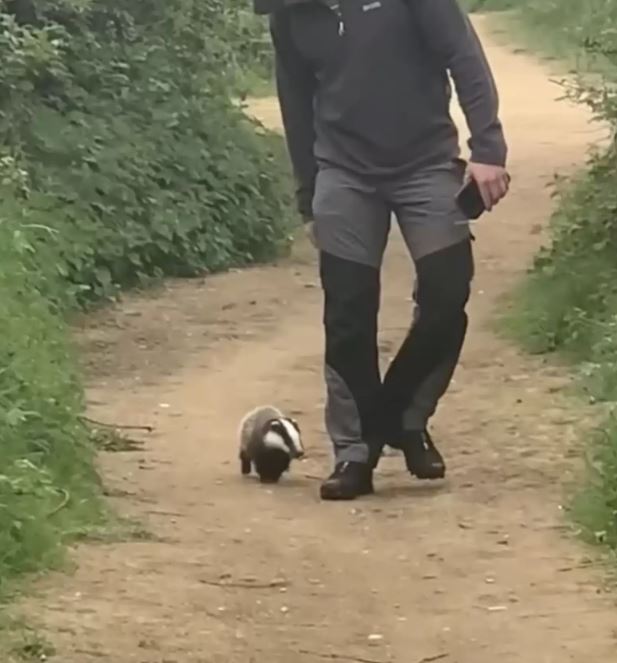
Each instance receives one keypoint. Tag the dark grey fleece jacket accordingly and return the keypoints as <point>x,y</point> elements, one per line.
<point>363,85</point>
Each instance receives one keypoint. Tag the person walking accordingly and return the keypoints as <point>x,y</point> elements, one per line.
<point>364,91</point>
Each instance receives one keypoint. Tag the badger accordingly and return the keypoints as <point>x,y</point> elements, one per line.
<point>269,441</point>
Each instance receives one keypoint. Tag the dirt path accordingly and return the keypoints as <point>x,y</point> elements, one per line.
<point>472,571</point>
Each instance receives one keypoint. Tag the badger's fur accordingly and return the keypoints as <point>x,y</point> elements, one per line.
<point>269,441</point>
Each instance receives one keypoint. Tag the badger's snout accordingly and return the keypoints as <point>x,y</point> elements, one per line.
<point>289,431</point>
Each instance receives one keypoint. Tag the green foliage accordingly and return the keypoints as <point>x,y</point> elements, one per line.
<point>563,28</point>
<point>252,54</point>
<point>571,292</point>
<point>568,303</point>
<point>123,158</point>
<point>596,506</point>
<point>121,116</point>
<point>46,454</point>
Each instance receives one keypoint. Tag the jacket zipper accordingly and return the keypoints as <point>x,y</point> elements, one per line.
<point>335,7</point>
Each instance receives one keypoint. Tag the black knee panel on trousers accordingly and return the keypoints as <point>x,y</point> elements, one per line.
<point>443,283</point>
<point>443,289</point>
<point>351,305</point>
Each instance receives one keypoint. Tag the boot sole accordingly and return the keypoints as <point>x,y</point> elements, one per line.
<point>426,475</point>
<point>432,473</point>
<point>423,476</point>
<point>331,494</point>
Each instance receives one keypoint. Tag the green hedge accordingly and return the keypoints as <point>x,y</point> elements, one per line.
<point>568,304</point>
<point>120,113</point>
<point>123,158</point>
<point>47,483</point>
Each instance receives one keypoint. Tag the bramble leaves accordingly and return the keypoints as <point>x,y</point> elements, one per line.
<point>121,118</point>
<point>122,159</point>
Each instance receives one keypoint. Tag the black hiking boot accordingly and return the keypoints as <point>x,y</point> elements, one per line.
<point>348,481</point>
<point>422,457</point>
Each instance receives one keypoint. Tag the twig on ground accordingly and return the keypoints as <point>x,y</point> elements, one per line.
<point>245,584</point>
<point>339,657</point>
<point>157,512</point>
<point>94,422</point>
<point>576,567</point>
<point>359,659</point>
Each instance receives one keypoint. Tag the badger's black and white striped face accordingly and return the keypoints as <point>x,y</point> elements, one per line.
<point>284,434</point>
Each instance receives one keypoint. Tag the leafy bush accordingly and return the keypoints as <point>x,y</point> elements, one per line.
<point>568,304</point>
<point>123,158</point>
<point>47,482</point>
<point>252,54</point>
<point>560,28</point>
<point>121,115</point>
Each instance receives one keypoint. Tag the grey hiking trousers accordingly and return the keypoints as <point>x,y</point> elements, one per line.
<point>352,224</point>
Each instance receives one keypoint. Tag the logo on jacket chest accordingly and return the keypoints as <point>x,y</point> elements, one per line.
<point>371,6</point>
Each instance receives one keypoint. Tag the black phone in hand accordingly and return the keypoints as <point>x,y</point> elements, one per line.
<point>469,200</point>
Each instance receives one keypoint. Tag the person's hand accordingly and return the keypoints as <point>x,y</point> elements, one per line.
<point>493,182</point>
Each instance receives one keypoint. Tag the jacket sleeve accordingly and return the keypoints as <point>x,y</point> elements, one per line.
<point>451,36</point>
<point>295,84</point>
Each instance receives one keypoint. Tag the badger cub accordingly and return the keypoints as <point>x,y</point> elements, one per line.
<point>269,441</point>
